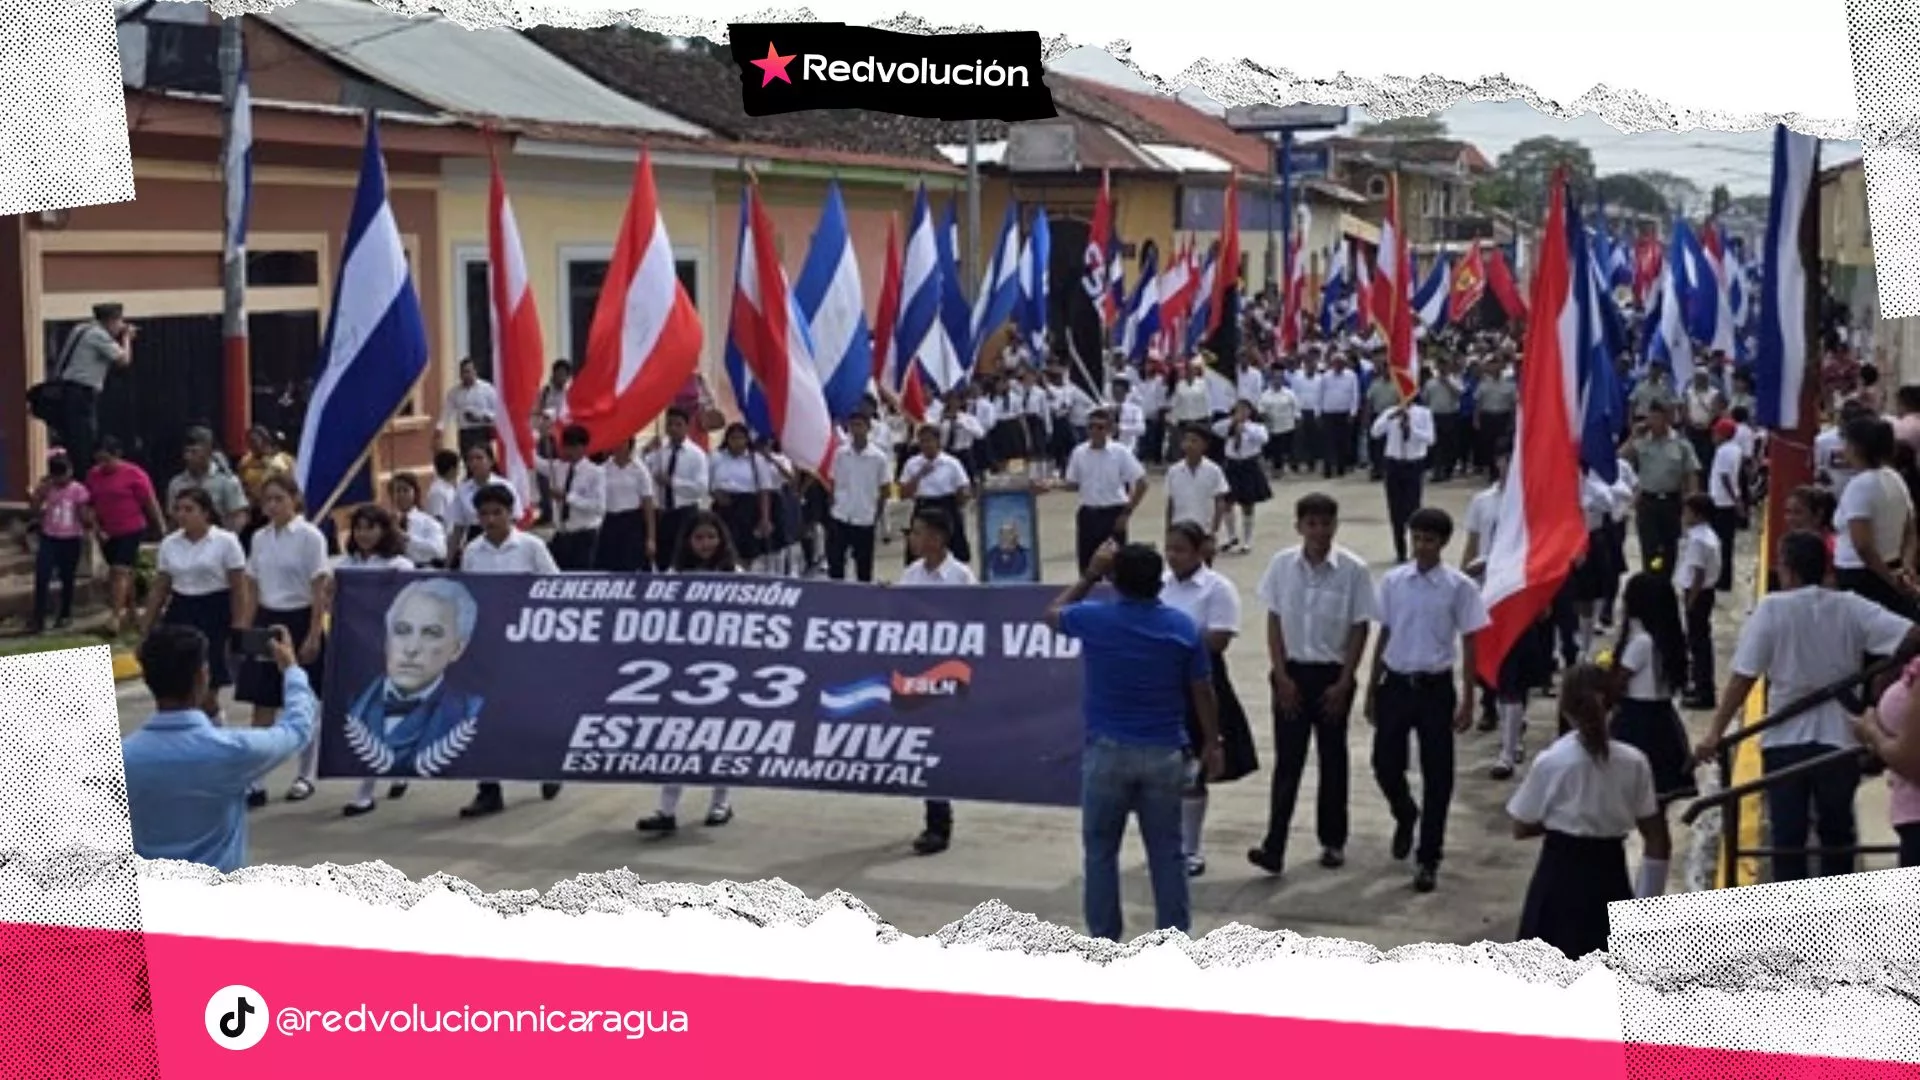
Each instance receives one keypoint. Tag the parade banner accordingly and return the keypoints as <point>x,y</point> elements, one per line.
<point>951,693</point>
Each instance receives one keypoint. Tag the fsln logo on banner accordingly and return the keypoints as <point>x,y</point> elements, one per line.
<point>792,67</point>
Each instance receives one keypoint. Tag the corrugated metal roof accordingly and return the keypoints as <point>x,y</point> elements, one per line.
<point>1186,159</point>
<point>495,73</point>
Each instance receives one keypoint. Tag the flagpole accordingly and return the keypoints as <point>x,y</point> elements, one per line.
<point>970,265</point>
<point>236,369</point>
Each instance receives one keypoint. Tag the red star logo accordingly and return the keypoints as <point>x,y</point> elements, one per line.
<point>774,67</point>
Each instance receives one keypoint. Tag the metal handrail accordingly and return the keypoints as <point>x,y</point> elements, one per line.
<point>1762,783</point>
<point>1817,698</point>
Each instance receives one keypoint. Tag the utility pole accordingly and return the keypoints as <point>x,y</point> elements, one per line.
<point>971,263</point>
<point>235,137</point>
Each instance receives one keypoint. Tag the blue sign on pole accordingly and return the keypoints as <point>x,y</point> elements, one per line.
<point>1309,162</point>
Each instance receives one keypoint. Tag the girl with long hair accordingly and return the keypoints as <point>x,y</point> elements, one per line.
<point>374,542</point>
<point>1650,666</point>
<point>705,547</point>
<point>1582,797</point>
<point>199,580</point>
<point>746,488</point>
<point>288,584</point>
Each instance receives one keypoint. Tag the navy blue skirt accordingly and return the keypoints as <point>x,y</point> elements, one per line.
<point>212,615</point>
<point>1654,729</point>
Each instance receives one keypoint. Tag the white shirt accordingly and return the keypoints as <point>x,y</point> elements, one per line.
<point>426,537</point>
<point>858,477</point>
<point>1245,445</point>
<point>1251,384</point>
<point>1568,792</point>
<point>440,500</point>
<point>1318,606</point>
<point>1104,476</point>
<point>1483,514</point>
<point>1079,404</point>
<point>1281,408</point>
<point>1830,457</point>
<point>1207,598</point>
<point>1642,665</point>
<point>1426,614</point>
<point>470,406</point>
<point>629,487</point>
<point>951,571</point>
<point>461,513</point>
<point>747,474</point>
<point>372,562</point>
<point>935,478</point>
<point>1193,492</point>
<point>1133,422</point>
<point>1724,475</point>
<point>199,569</point>
<point>523,553</point>
<point>1408,443</point>
<point>1189,402</point>
<point>579,491</point>
<point>1596,501</point>
<point>1306,387</point>
<point>1623,491</point>
<point>1806,638</point>
<point>1878,496</point>
<point>679,475</point>
<point>1699,550</point>
<point>1339,393</point>
<point>285,563</point>
<point>1746,439</point>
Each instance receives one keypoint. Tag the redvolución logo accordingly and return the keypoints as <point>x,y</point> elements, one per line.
<point>792,67</point>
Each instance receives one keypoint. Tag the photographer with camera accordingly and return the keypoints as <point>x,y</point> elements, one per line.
<point>69,401</point>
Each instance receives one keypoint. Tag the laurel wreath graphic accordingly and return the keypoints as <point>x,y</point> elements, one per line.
<point>371,751</point>
<point>440,753</point>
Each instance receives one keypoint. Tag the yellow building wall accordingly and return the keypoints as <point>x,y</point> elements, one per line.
<point>1845,235</point>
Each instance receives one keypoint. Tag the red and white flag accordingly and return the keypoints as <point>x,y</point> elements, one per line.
<point>519,353</point>
<point>886,339</point>
<point>645,341</point>
<point>1392,298</point>
<point>768,354</point>
<point>1542,529</point>
<point>1293,310</point>
<point>1226,274</point>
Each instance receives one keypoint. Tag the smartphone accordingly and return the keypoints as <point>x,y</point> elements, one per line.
<point>256,644</point>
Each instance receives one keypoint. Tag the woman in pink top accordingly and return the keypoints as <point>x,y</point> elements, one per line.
<point>1892,732</point>
<point>61,503</point>
<point>125,508</point>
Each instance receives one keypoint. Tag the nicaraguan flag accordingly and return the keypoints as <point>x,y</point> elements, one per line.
<point>1780,366</point>
<point>375,348</point>
<point>1333,291</point>
<point>914,341</point>
<point>830,300</point>
<point>1668,342</point>
<point>1597,378</point>
<point>1035,259</point>
<point>953,326</point>
<point>1202,312</point>
<point>1430,300</point>
<point>238,167</point>
<point>999,291</point>
<point>1143,312</point>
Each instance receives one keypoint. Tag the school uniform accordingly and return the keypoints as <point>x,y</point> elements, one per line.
<point>939,484</point>
<point>520,553</point>
<point>1646,719</point>
<point>1725,488</point>
<point>440,501</point>
<point>1194,492</point>
<point>1075,407</point>
<point>283,565</point>
<point>470,411</point>
<point>1310,445</point>
<point>623,532</point>
<point>1105,477</point>
<point>1282,412</point>
<point>426,538</point>
<point>1242,462</point>
<point>1315,608</point>
<point>1405,439</point>
<point>1008,435</point>
<point>939,812</point>
<point>737,483</point>
<point>1588,808</point>
<point>1591,580</point>
<point>1213,604</point>
<point>1424,614</point>
<point>463,518</point>
<point>680,474</point>
<point>578,490</point>
<point>1339,405</point>
<point>1700,557</point>
<point>200,592</point>
<point>853,519</point>
<point>977,451</point>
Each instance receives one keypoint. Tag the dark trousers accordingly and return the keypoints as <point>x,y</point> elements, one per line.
<point>1405,480</point>
<point>471,437</point>
<point>1338,429</point>
<point>672,523</point>
<point>1658,525</point>
<point>1909,844</point>
<point>1308,451</point>
<point>59,556</point>
<point>844,540</point>
<point>1700,643</point>
<point>79,428</point>
<point>574,550</point>
<point>1376,456</point>
<point>940,817</point>
<point>1446,444</point>
<point>1416,706</point>
<point>1279,450</point>
<point>1093,526</point>
<point>1826,792</point>
<point>1310,723</point>
<point>1726,523</point>
<point>1494,434</point>
<point>1153,440</point>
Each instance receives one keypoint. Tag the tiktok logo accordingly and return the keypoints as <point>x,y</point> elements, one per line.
<point>237,1017</point>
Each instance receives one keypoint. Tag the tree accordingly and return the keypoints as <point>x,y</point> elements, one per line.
<point>1677,190</point>
<point>1632,192</point>
<point>1523,173</point>
<point>1720,199</point>
<point>1405,127</point>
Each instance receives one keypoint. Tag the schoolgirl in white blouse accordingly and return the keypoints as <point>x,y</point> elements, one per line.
<point>288,584</point>
<point>374,542</point>
<point>707,548</point>
<point>200,581</point>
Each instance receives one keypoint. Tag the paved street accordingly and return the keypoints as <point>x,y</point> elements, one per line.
<point>1028,858</point>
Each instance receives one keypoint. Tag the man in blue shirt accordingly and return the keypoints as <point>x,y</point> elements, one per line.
<point>187,780</point>
<point>1146,664</point>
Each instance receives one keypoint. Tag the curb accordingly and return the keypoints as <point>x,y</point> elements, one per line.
<point>125,666</point>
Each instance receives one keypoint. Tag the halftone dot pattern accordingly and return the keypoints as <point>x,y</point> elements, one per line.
<point>73,967</point>
<point>63,111</point>
<point>1886,80</point>
<point>1827,969</point>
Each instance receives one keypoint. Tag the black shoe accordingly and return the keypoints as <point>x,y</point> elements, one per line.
<point>1403,838</point>
<point>719,815</point>
<point>1333,858</point>
<point>397,791</point>
<point>1426,878</point>
<point>549,791</point>
<point>657,823</point>
<point>256,799</point>
<point>358,808</point>
<point>1502,771</point>
<point>1488,721</point>
<point>1266,859</point>
<point>931,843</point>
<point>487,802</point>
